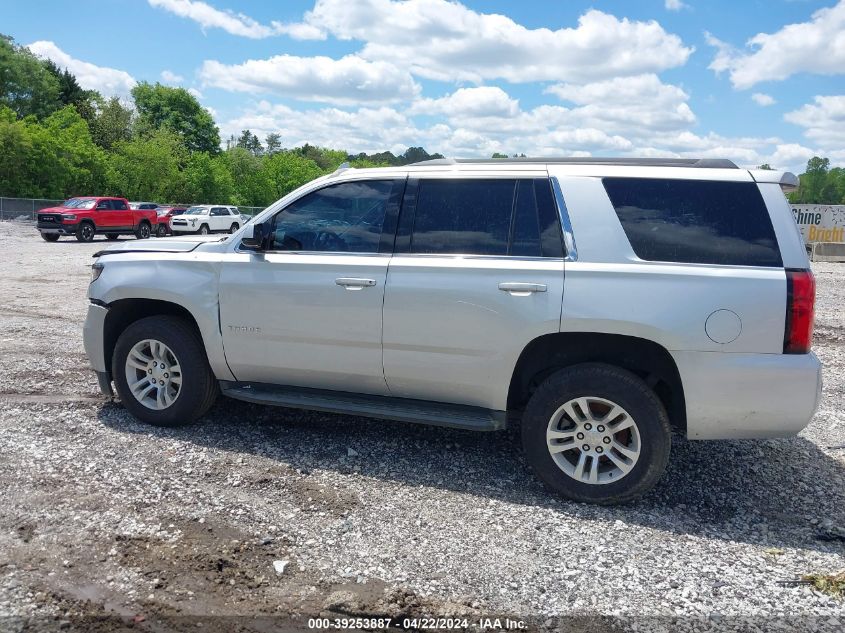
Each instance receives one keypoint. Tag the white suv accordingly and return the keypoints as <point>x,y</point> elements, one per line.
<point>205,219</point>
<point>598,303</point>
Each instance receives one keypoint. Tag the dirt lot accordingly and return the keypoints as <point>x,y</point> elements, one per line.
<point>108,524</point>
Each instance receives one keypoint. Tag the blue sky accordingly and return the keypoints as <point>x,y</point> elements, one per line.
<point>753,81</point>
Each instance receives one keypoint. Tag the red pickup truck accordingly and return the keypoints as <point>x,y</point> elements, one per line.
<point>86,217</point>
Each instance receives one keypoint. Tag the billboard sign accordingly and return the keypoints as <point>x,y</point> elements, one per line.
<point>820,222</point>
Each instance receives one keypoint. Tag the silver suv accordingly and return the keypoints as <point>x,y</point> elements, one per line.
<point>597,303</point>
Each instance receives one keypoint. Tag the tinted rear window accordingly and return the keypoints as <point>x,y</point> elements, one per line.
<point>486,217</point>
<point>695,221</point>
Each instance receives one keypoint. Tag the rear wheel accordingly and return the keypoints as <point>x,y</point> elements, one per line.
<point>234,227</point>
<point>85,232</point>
<point>50,237</point>
<point>161,231</point>
<point>203,230</point>
<point>161,372</point>
<point>596,433</point>
<point>143,231</point>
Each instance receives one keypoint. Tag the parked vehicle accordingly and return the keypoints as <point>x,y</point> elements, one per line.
<point>143,205</point>
<point>205,219</point>
<point>598,302</point>
<point>164,216</point>
<point>89,216</point>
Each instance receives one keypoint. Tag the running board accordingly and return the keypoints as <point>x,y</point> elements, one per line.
<point>382,407</point>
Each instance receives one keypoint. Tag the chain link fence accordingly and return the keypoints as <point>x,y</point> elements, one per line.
<point>25,209</point>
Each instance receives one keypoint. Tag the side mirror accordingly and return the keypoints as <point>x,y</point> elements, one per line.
<point>255,236</point>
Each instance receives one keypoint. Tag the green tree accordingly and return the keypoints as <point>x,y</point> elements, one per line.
<point>112,123</point>
<point>273,143</point>
<point>208,179</point>
<point>53,158</point>
<point>765,166</point>
<point>71,93</point>
<point>177,110</point>
<point>150,167</point>
<point>252,187</point>
<point>288,170</point>
<point>26,86</point>
<point>499,155</point>
<point>250,143</point>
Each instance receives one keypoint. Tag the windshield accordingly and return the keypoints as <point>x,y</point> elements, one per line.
<point>79,203</point>
<point>197,211</point>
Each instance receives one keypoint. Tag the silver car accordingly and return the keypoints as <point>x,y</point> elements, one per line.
<point>597,303</point>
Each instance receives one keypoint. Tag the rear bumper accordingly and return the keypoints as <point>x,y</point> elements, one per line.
<point>734,396</point>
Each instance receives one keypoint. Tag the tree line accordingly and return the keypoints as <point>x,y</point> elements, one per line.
<point>58,140</point>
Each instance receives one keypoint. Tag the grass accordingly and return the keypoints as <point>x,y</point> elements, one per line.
<point>831,584</point>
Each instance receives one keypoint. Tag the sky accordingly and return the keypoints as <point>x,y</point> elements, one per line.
<point>755,81</point>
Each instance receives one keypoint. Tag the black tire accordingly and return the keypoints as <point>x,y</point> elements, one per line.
<point>112,236</point>
<point>161,231</point>
<point>50,237</point>
<point>199,387</point>
<point>204,230</point>
<point>85,232</point>
<point>143,231</point>
<point>618,386</point>
<point>235,226</point>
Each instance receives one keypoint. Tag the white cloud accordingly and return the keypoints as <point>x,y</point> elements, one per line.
<point>629,104</point>
<point>470,102</point>
<point>169,77</point>
<point>674,5</point>
<point>823,121</point>
<point>196,93</point>
<point>234,23</point>
<point>108,81</point>
<point>763,99</point>
<point>208,17</point>
<point>344,81</point>
<point>444,40</point>
<point>817,46</point>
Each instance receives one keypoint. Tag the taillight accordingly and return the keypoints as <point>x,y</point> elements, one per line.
<point>800,304</point>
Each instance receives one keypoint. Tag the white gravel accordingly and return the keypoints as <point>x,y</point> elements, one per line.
<point>100,512</point>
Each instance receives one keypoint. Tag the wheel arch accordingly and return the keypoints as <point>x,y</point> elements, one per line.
<point>649,360</point>
<point>124,312</point>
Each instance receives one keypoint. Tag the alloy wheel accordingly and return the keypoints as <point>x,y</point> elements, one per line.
<point>153,374</point>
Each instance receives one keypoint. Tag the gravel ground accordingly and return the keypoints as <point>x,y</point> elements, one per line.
<point>107,523</point>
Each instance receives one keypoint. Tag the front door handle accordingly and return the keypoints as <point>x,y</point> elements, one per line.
<point>355,283</point>
<point>519,288</point>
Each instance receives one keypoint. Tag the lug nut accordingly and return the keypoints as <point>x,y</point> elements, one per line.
<point>586,447</point>
<point>149,371</point>
<point>606,440</point>
<point>162,365</point>
<point>599,449</point>
<point>580,436</point>
<point>166,375</point>
<point>588,426</point>
<point>600,428</point>
<point>161,382</point>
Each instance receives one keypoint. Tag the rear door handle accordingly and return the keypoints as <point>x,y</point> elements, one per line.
<point>354,283</point>
<point>519,288</point>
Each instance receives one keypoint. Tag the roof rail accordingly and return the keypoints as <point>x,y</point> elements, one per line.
<point>710,163</point>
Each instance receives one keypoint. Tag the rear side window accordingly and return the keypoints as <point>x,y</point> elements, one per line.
<point>695,221</point>
<point>486,217</point>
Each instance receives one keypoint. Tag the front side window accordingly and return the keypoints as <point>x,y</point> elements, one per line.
<point>346,217</point>
<point>104,205</point>
<point>502,217</point>
<point>695,221</point>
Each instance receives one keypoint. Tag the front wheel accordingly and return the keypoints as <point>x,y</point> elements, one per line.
<point>234,227</point>
<point>85,232</point>
<point>203,230</point>
<point>161,231</point>
<point>50,237</point>
<point>161,371</point>
<point>143,231</point>
<point>596,433</point>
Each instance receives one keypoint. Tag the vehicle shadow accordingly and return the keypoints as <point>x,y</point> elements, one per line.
<point>766,493</point>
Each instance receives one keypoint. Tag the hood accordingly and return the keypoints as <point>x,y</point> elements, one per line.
<point>56,210</point>
<point>160,245</point>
